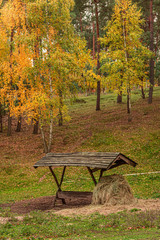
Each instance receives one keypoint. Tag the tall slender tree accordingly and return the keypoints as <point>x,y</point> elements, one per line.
<point>98,55</point>
<point>151,75</point>
<point>126,54</point>
<point>54,74</point>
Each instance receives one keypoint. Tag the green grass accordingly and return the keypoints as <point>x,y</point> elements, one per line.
<point>123,225</point>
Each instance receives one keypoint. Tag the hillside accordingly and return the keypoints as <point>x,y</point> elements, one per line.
<point>107,130</point>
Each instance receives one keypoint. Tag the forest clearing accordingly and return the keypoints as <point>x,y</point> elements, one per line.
<point>80,94</point>
<point>26,190</point>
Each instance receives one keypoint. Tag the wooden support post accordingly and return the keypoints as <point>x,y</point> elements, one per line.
<point>55,178</point>
<point>58,184</point>
<point>101,173</point>
<point>63,200</point>
<point>92,176</point>
<point>62,176</point>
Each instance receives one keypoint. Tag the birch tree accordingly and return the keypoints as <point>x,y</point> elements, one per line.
<point>59,61</point>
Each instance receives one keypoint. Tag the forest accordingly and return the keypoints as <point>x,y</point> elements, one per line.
<point>78,76</point>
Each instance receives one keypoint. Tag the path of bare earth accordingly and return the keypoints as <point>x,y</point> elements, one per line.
<point>74,207</point>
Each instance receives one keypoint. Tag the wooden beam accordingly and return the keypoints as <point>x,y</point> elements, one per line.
<point>129,161</point>
<point>92,176</point>
<point>70,194</point>
<point>96,169</point>
<point>101,173</point>
<point>62,176</point>
<point>58,185</point>
<point>55,178</point>
<point>116,165</point>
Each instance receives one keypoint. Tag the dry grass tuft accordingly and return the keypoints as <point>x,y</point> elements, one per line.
<point>112,190</point>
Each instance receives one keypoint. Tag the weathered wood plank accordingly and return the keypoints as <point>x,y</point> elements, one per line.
<point>83,154</point>
<point>73,165</point>
<point>100,160</point>
<point>128,160</point>
<point>70,194</point>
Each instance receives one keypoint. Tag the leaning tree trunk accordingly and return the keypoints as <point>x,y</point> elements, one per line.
<point>151,77</point>
<point>98,57</point>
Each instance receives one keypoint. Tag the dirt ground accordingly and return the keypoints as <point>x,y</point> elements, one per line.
<point>77,206</point>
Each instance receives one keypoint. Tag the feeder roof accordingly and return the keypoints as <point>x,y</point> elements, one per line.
<point>97,160</point>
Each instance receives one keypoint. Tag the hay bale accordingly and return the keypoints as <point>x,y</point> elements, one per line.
<point>112,190</point>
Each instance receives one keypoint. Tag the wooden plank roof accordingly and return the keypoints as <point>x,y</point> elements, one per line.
<point>97,160</point>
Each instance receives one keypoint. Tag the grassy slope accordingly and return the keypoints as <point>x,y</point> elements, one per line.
<point>88,130</point>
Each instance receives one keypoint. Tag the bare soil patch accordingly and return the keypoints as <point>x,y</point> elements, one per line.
<point>141,205</point>
<point>78,206</point>
<point>46,203</point>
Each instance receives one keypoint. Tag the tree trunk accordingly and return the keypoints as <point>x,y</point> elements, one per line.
<point>37,47</point>
<point>129,105</point>
<point>60,108</point>
<point>1,122</point>
<point>151,77</point>
<point>119,98</point>
<point>44,141</point>
<point>19,123</point>
<point>98,95</point>
<point>157,34</point>
<point>128,81</point>
<point>9,130</point>
<point>80,20</point>
<point>35,127</point>
<point>142,91</point>
<point>98,56</point>
<point>93,28</point>
<point>50,134</point>
<point>11,53</point>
